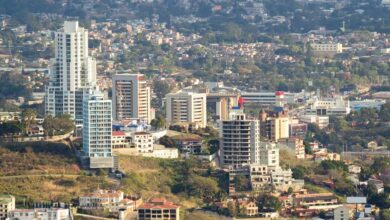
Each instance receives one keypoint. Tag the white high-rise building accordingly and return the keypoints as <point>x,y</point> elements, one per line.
<point>240,140</point>
<point>72,72</point>
<point>269,154</point>
<point>131,97</point>
<point>97,130</point>
<point>187,107</point>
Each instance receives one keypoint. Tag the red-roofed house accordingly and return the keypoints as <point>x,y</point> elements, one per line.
<point>120,140</point>
<point>158,208</point>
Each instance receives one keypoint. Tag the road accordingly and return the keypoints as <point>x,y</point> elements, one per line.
<point>93,217</point>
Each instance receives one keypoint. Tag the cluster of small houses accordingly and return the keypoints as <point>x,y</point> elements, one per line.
<point>301,204</point>
<point>114,202</point>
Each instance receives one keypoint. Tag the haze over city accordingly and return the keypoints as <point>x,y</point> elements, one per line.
<point>194,109</point>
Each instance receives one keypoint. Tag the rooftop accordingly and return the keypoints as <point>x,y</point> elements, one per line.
<point>4,198</point>
<point>158,203</point>
<point>118,133</point>
<point>104,194</point>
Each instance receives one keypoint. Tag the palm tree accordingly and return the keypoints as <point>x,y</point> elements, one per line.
<point>28,117</point>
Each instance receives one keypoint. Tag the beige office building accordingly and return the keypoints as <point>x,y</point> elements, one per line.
<point>329,49</point>
<point>186,107</point>
<point>220,104</point>
<point>274,125</point>
<point>131,97</point>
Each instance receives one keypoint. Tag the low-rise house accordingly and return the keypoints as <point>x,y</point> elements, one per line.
<point>372,145</point>
<point>314,146</point>
<point>378,185</point>
<point>142,141</point>
<point>259,176</point>
<point>286,201</point>
<point>120,140</point>
<point>323,201</point>
<point>191,144</point>
<point>269,215</point>
<point>281,178</point>
<point>323,154</point>
<point>159,151</point>
<point>305,212</point>
<point>7,204</point>
<point>40,213</point>
<point>354,169</point>
<point>111,200</point>
<point>158,208</point>
<point>342,213</point>
<point>9,116</point>
<point>249,208</point>
<point>36,130</point>
<point>263,176</point>
<point>246,206</point>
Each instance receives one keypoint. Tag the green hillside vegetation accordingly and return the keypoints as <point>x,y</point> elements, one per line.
<point>44,171</point>
<point>188,182</point>
<point>37,158</point>
<point>51,188</point>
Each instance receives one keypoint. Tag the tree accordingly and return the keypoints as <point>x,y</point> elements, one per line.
<point>282,86</point>
<point>380,164</point>
<point>48,125</point>
<point>161,88</point>
<point>11,127</point>
<point>213,145</point>
<point>339,124</point>
<point>158,123</point>
<point>381,200</point>
<point>178,128</point>
<point>28,117</point>
<point>268,203</point>
<point>203,187</point>
<point>384,214</point>
<point>333,165</point>
<point>232,208</point>
<point>366,173</point>
<point>64,124</point>
<point>308,149</point>
<point>168,142</point>
<point>241,183</point>
<point>384,113</point>
<point>298,172</point>
<point>58,125</point>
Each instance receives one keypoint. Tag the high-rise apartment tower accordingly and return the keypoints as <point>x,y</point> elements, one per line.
<point>131,97</point>
<point>72,72</point>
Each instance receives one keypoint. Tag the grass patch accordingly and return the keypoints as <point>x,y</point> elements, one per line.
<point>288,159</point>
<point>152,177</point>
<point>52,188</point>
<point>37,158</point>
<point>316,189</point>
